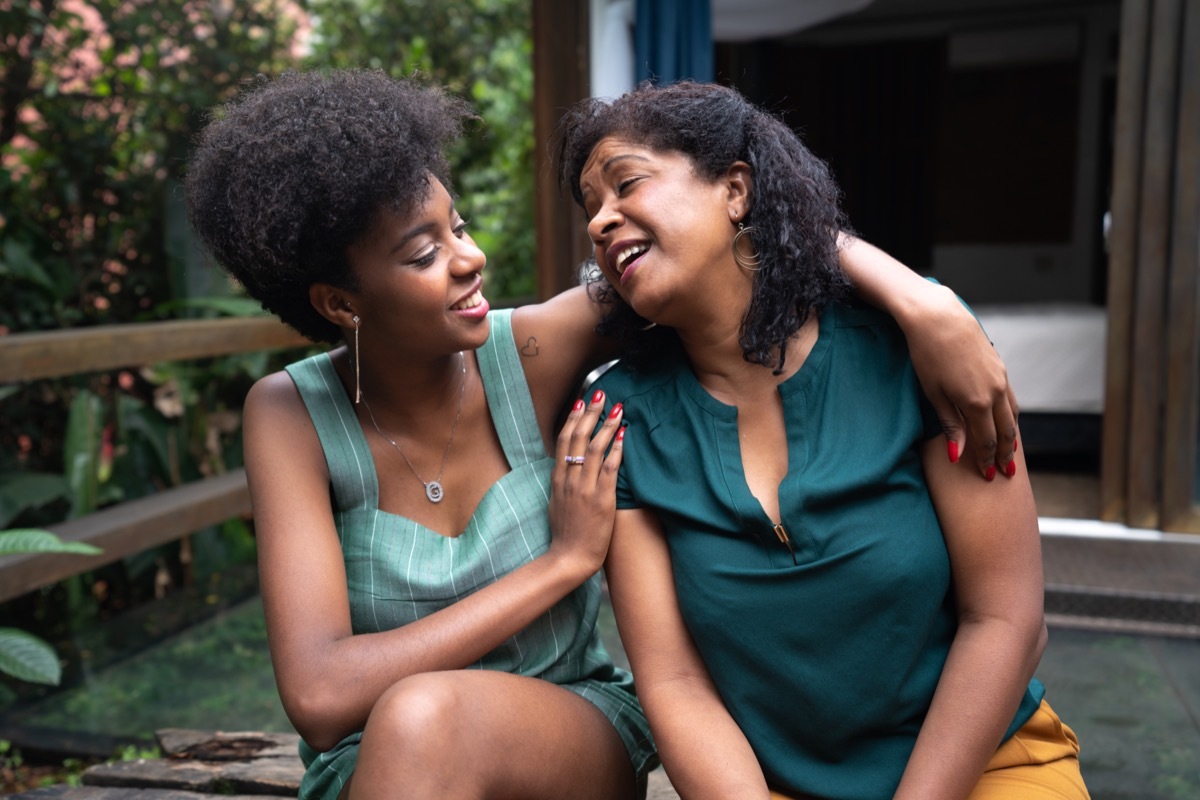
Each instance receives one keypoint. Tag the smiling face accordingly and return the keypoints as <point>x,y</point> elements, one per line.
<point>662,234</point>
<point>420,279</point>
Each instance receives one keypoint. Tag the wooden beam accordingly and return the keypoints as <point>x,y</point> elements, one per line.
<point>1150,280</point>
<point>50,354</point>
<point>1180,506</point>
<point>129,528</point>
<point>1123,244</point>
<point>560,79</point>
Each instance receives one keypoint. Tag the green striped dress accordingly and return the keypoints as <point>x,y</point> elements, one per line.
<point>398,571</point>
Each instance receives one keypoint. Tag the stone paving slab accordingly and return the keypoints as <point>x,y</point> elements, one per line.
<point>660,787</point>
<point>63,791</point>
<point>1134,702</point>
<point>1163,567</point>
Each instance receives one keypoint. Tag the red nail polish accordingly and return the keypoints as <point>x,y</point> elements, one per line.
<point>597,396</point>
<point>615,411</point>
<point>1010,468</point>
<point>991,472</point>
<point>952,451</point>
<point>621,434</point>
<point>578,406</point>
<point>1014,445</point>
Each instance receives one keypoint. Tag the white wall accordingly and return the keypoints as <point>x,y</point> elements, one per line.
<point>611,55</point>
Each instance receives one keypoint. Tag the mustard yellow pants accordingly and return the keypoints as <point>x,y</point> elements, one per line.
<point>1038,762</point>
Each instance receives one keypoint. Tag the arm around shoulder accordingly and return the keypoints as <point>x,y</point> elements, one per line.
<point>960,372</point>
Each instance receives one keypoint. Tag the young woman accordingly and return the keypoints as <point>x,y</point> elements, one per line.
<point>813,598</point>
<point>429,568</point>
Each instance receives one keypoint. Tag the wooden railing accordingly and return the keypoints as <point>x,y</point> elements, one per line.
<point>136,525</point>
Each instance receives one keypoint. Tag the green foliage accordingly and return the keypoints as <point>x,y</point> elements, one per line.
<point>16,774</point>
<point>20,491</point>
<point>133,752</point>
<point>28,658</point>
<point>31,540</point>
<point>99,103</point>
<point>82,452</point>
<point>10,756</point>
<point>23,655</point>
<point>102,100</point>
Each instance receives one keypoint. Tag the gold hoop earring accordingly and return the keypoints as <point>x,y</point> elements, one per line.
<point>357,385</point>
<point>751,262</point>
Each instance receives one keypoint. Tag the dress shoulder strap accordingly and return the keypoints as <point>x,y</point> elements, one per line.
<point>351,468</point>
<point>508,395</point>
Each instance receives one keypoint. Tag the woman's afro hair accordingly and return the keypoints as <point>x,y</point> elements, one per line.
<point>288,175</point>
<point>795,209</point>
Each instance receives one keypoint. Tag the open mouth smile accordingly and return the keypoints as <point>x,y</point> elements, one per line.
<point>474,305</point>
<point>472,300</point>
<point>626,257</point>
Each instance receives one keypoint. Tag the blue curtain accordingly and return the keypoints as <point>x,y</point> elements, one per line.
<point>673,40</point>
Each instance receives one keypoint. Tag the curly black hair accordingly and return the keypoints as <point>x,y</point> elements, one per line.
<point>795,207</point>
<point>293,171</point>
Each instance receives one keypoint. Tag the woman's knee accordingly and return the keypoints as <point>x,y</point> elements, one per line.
<point>417,735</point>
<point>420,712</point>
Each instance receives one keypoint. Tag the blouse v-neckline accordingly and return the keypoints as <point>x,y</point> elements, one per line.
<point>726,432</point>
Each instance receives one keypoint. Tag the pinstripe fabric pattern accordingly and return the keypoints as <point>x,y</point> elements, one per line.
<point>398,570</point>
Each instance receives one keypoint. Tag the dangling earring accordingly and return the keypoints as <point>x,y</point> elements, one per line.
<point>751,262</point>
<point>357,385</point>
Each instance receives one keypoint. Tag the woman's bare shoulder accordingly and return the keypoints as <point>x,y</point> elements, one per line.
<point>275,420</point>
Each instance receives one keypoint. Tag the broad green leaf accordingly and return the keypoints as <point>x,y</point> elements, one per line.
<point>22,490</point>
<point>144,429</point>
<point>18,263</point>
<point>34,540</point>
<point>28,658</point>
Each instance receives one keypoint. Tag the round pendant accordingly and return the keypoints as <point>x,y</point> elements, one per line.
<point>433,490</point>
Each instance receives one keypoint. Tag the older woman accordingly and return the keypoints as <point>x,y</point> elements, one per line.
<point>813,598</point>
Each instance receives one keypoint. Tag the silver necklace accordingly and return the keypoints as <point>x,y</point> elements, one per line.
<point>433,488</point>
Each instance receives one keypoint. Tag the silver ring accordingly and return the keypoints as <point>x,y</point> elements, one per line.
<point>577,460</point>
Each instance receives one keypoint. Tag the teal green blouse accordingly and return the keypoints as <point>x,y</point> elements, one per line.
<point>826,649</point>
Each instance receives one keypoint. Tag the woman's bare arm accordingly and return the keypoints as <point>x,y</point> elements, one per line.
<point>992,537</point>
<point>703,750</point>
<point>559,346</point>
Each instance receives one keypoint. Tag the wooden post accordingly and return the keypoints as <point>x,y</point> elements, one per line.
<point>560,79</point>
<point>1123,245</point>
<point>1180,419</point>
<point>1150,285</point>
